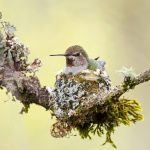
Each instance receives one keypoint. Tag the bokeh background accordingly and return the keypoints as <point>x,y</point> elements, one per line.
<point>116,30</point>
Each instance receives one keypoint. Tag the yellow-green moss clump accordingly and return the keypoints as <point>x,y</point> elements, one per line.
<point>110,115</point>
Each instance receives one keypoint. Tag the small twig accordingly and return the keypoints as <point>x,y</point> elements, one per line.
<point>120,89</point>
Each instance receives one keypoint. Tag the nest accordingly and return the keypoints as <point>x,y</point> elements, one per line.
<point>79,104</point>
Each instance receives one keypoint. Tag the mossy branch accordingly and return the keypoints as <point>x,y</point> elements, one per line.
<point>98,115</point>
<point>129,83</point>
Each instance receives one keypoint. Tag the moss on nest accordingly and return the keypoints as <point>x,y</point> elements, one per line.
<point>111,115</point>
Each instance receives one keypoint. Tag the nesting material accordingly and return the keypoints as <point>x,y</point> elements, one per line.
<point>73,90</point>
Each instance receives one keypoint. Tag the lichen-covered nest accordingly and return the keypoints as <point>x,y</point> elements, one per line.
<point>74,106</point>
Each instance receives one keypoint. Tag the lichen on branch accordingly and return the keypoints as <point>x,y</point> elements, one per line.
<point>86,102</point>
<point>17,75</point>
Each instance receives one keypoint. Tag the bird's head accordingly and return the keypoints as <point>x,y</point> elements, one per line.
<point>76,56</point>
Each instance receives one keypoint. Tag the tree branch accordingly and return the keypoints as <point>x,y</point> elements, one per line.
<point>128,84</point>
<point>87,113</point>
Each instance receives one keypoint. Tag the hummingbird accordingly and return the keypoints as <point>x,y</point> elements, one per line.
<point>78,60</point>
<point>82,80</point>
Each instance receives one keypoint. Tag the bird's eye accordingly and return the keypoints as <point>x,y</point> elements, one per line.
<point>77,54</point>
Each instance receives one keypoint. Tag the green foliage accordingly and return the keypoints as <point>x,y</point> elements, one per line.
<point>109,116</point>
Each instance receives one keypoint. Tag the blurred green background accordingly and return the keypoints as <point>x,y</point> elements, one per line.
<point>116,30</point>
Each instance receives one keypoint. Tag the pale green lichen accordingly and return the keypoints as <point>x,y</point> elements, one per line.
<point>75,90</point>
<point>128,72</point>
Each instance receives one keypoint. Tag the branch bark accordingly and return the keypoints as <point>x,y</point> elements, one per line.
<point>28,89</point>
<point>18,77</point>
<point>14,68</point>
<point>128,84</point>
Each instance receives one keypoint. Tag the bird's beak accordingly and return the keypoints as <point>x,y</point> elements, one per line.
<point>58,55</point>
